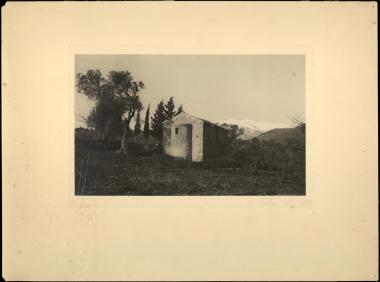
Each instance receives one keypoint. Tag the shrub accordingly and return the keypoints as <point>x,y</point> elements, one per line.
<point>268,155</point>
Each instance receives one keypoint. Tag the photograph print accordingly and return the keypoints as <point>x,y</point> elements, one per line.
<point>190,125</point>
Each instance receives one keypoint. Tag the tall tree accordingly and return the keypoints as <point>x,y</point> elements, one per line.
<point>91,84</point>
<point>157,120</point>
<point>119,87</point>
<point>146,124</point>
<point>137,129</point>
<point>170,108</point>
<point>107,113</point>
<point>106,118</point>
<point>127,90</point>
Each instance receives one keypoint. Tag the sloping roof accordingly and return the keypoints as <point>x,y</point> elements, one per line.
<point>204,120</point>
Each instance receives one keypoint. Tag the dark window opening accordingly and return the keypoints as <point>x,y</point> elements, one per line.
<point>176,130</point>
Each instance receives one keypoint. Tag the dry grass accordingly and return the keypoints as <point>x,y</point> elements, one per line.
<point>111,174</point>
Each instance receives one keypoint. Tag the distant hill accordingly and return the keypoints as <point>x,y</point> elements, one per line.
<point>249,133</point>
<point>281,135</point>
<point>251,129</point>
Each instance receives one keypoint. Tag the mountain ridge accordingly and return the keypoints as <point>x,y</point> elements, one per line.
<point>282,135</point>
<point>252,129</point>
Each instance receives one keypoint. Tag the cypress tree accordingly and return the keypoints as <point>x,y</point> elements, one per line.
<point>179,110</point>
<point>169,108</point>
<point>146,124</point>
<point>157,120</point>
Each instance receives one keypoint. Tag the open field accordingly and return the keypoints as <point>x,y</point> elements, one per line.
<point>105,173</point>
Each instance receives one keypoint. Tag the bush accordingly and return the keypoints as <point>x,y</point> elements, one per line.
<point>134,148</point>
<point>268,155</point>
<point>97,145</point>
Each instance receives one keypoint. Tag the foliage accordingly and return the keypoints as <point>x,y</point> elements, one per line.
<point>179,110</point>
<point>157,120</point>
<point>146,124</point>
<point>170,108</point>
<point>106,117</point>
<point>127,89</point>
<point>116,100</point>
<point>269,155</point>
<point>90,84</point>
<point>164,111</point>
<point>233,130</point>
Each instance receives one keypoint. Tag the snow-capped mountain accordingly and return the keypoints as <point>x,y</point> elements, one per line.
<point>252,128</point>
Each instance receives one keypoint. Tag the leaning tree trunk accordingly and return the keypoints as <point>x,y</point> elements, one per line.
<point>124,140</point>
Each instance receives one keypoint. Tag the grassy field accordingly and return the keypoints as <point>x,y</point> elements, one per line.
<point>106,173</point>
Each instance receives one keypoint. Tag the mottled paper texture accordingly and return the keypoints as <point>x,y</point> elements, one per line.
<point>329,234</point>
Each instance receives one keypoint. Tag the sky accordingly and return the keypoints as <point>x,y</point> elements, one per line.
<point>263,88</point>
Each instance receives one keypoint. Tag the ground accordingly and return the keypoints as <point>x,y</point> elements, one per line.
<point>106,173</point>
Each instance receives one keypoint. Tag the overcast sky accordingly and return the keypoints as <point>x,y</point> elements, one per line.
<point>263,88</point>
